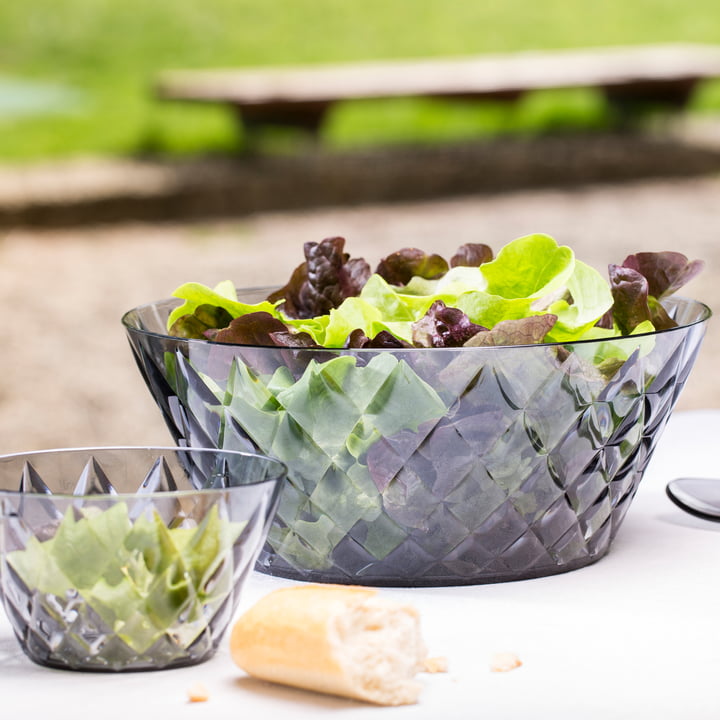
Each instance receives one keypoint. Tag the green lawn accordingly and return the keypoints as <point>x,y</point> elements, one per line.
<point>102,56</point>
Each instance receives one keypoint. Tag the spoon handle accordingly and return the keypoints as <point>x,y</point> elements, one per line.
<point>698,496</point>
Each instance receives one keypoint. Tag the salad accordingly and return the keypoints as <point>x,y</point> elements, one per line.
<point>533,291</point>
<point>401,449</point>
<point>142,580</point>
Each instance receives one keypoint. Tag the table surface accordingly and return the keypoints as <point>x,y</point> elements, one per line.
<point>631,636</point>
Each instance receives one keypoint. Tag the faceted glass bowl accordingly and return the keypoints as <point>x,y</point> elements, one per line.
<point>116,559</point>
<point>421,467</point>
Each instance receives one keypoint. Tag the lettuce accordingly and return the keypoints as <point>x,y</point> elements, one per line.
<point>335,301</point>
<point>403,265</point>
<point>196,295</point>
<point>529,267</point>
<point>323,425</point>
<point>139,577</point>
<point>665,272</point>
<point>590,299</point>
<point>323,281</point>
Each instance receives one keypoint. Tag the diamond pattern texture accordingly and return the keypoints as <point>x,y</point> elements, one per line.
<point>529,471</point>
<point>177,490</point>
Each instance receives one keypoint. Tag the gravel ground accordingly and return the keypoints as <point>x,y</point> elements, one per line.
<point>68,377</point>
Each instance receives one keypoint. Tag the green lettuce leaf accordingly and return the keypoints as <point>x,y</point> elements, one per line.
<point>323,425</point>
<point>140,576</point>
<point>590,299</point>
<point>529,267</point>
<point>223,296</point>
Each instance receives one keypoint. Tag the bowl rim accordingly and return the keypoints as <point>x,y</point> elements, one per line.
<point>276,478</point>
<point>674,299</point>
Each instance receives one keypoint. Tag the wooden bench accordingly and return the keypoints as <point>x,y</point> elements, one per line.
<point>629,77</point>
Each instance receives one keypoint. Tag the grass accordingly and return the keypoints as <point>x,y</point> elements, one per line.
<point>107,52</point>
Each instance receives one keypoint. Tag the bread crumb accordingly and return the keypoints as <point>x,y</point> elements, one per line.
<point>198,693</point>
<point>504,662</point>
<point>435,665</point>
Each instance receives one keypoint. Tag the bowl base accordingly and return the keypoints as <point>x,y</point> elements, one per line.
<point>329,577</point>
<point>49,662</point>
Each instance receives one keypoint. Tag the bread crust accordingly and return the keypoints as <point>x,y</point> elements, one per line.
<point>332,639</point>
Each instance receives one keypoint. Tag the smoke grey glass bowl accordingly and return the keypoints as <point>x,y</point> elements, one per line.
<point>129,558</point>
<point>430,467</point>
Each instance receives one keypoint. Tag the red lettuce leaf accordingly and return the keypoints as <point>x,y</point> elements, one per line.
<point>326,278</point>
<point>665,272</point>
<point>384,339</point>
<point>400,267</point>
<point>606,321</point>
<point>471,255</point>
<point>523,331</point>
<point>630,291</point>
<point>288,339</point>
<point>660,319</point>
<point>261,328</point>
<point>443,326</point>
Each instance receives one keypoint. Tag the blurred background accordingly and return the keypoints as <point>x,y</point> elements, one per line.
<point>79,117</point>
<point>75,75</point>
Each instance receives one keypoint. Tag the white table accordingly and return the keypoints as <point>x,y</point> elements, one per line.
<point>634,636</point>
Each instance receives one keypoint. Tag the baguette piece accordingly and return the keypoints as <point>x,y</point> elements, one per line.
<point>337,639</point>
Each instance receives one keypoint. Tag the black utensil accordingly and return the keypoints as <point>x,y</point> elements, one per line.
<point>698,496</point>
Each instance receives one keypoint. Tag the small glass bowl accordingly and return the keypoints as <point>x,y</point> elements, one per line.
<point>129,558</point>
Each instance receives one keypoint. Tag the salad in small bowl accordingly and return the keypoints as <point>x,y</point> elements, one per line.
<point>476,419</point>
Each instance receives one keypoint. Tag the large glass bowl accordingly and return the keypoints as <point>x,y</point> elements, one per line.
<point>421,467</point>
<point>116,559</point>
